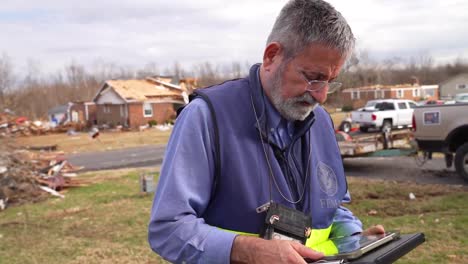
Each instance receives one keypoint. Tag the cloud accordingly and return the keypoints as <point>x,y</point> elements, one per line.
<point>396,28</point>
<point>190,32</point>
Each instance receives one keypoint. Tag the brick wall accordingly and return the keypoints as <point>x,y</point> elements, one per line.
<point>365,96</point>
<point>135,115</point>
<point>92,115</point>
<point>111,118</point>
<point>162,113</point>
<point>356,103</point>
<point>406,94</point>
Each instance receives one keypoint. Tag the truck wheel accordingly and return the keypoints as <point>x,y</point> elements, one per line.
<point>386,126</point>
<point>461,161</point>
<point>363,129</point>
<point>345,126</point>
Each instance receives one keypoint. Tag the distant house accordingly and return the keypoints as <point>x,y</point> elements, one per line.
<point>454,86</point>
<point>76,112</point>
<point>133,103</point>
<point>357,97</point>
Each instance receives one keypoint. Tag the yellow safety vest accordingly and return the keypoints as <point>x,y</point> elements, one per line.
<point>317,241</point>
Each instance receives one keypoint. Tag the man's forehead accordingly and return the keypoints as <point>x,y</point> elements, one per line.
<point>320,71</point>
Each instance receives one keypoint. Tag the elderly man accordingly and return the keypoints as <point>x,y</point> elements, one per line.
<point>261,139</point>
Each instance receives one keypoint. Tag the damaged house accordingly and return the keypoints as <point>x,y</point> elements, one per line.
<point>75,112</point>
<point>133,103</point>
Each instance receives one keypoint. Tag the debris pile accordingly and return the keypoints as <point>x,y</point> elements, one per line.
<point>11,125</point>
<point>28,177</point>
<point>16,126</point>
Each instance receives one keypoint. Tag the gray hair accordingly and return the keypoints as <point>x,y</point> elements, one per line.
<point>303,22</point>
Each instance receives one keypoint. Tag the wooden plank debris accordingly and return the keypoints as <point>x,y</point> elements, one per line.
<point>32,176</point>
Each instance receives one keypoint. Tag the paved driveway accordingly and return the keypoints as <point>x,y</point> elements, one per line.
<point>389,168</point>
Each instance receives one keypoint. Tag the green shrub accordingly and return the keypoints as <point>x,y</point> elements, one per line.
<point>152,123</point>
<point>347,108</point>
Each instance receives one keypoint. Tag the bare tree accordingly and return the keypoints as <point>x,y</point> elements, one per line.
<point>150,69</point>
<point>208,74</point>
<point>6,78</point>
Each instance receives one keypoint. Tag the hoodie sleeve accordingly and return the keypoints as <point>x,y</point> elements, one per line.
<point>176,229</point>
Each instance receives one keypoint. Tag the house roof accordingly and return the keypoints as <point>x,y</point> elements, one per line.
<point>140,90</point>
<point>163,83</point>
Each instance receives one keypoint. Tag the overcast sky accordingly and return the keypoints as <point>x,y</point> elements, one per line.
<point>138,32</point>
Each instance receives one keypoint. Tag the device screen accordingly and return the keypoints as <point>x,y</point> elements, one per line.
<point>352,243</point>
<point>354,246</point>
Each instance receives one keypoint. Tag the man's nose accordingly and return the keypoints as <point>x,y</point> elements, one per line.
<point>320,95</point>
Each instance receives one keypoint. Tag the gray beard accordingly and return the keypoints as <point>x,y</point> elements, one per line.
<point>292,108</point>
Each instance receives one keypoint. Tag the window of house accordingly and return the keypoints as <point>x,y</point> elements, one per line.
<point>147,110</point>
<point>402,105</point>
<point>355,95</point>
<point>107,109</point>
<point>416,93</point>
<point>430,92</point>
<point>399,93</point>
<point>378,94</point>
<point>461,86</point>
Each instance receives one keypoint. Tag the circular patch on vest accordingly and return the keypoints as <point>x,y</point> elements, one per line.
<point>327,179</point>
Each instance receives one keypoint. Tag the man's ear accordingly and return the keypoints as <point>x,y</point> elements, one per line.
<point>272,53</point>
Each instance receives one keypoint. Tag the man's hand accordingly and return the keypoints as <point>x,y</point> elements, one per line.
<point>247,249</point>
<point>374,230</point>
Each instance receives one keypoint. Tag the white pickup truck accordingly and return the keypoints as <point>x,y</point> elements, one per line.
<point>385,115</point>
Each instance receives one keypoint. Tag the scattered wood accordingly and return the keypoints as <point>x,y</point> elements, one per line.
<point>28,176</point>
<point>52,191</point>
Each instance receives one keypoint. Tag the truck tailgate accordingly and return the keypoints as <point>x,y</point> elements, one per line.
<point>362,116</point>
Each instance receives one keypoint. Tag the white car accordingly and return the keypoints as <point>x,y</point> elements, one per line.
<point>386,115</point>
<point>461,98</point>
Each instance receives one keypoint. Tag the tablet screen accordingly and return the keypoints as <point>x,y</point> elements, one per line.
<point>352,247</point>
<point>353,243</point>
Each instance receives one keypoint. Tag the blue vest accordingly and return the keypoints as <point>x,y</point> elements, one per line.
<point>243,182</point>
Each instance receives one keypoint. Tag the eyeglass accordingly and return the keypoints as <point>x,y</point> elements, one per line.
<point>317,86</point>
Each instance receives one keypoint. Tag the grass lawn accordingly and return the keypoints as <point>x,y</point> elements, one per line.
<point>338,117</point>
<point>106,221</point>
<point>82,142</point>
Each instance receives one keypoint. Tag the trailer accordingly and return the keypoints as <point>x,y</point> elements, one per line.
<point>385,144</point>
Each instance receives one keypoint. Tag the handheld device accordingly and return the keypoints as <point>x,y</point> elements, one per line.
<point>284,223</point>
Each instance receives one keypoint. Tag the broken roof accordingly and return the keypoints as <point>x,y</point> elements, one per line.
<point>141,90</point>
